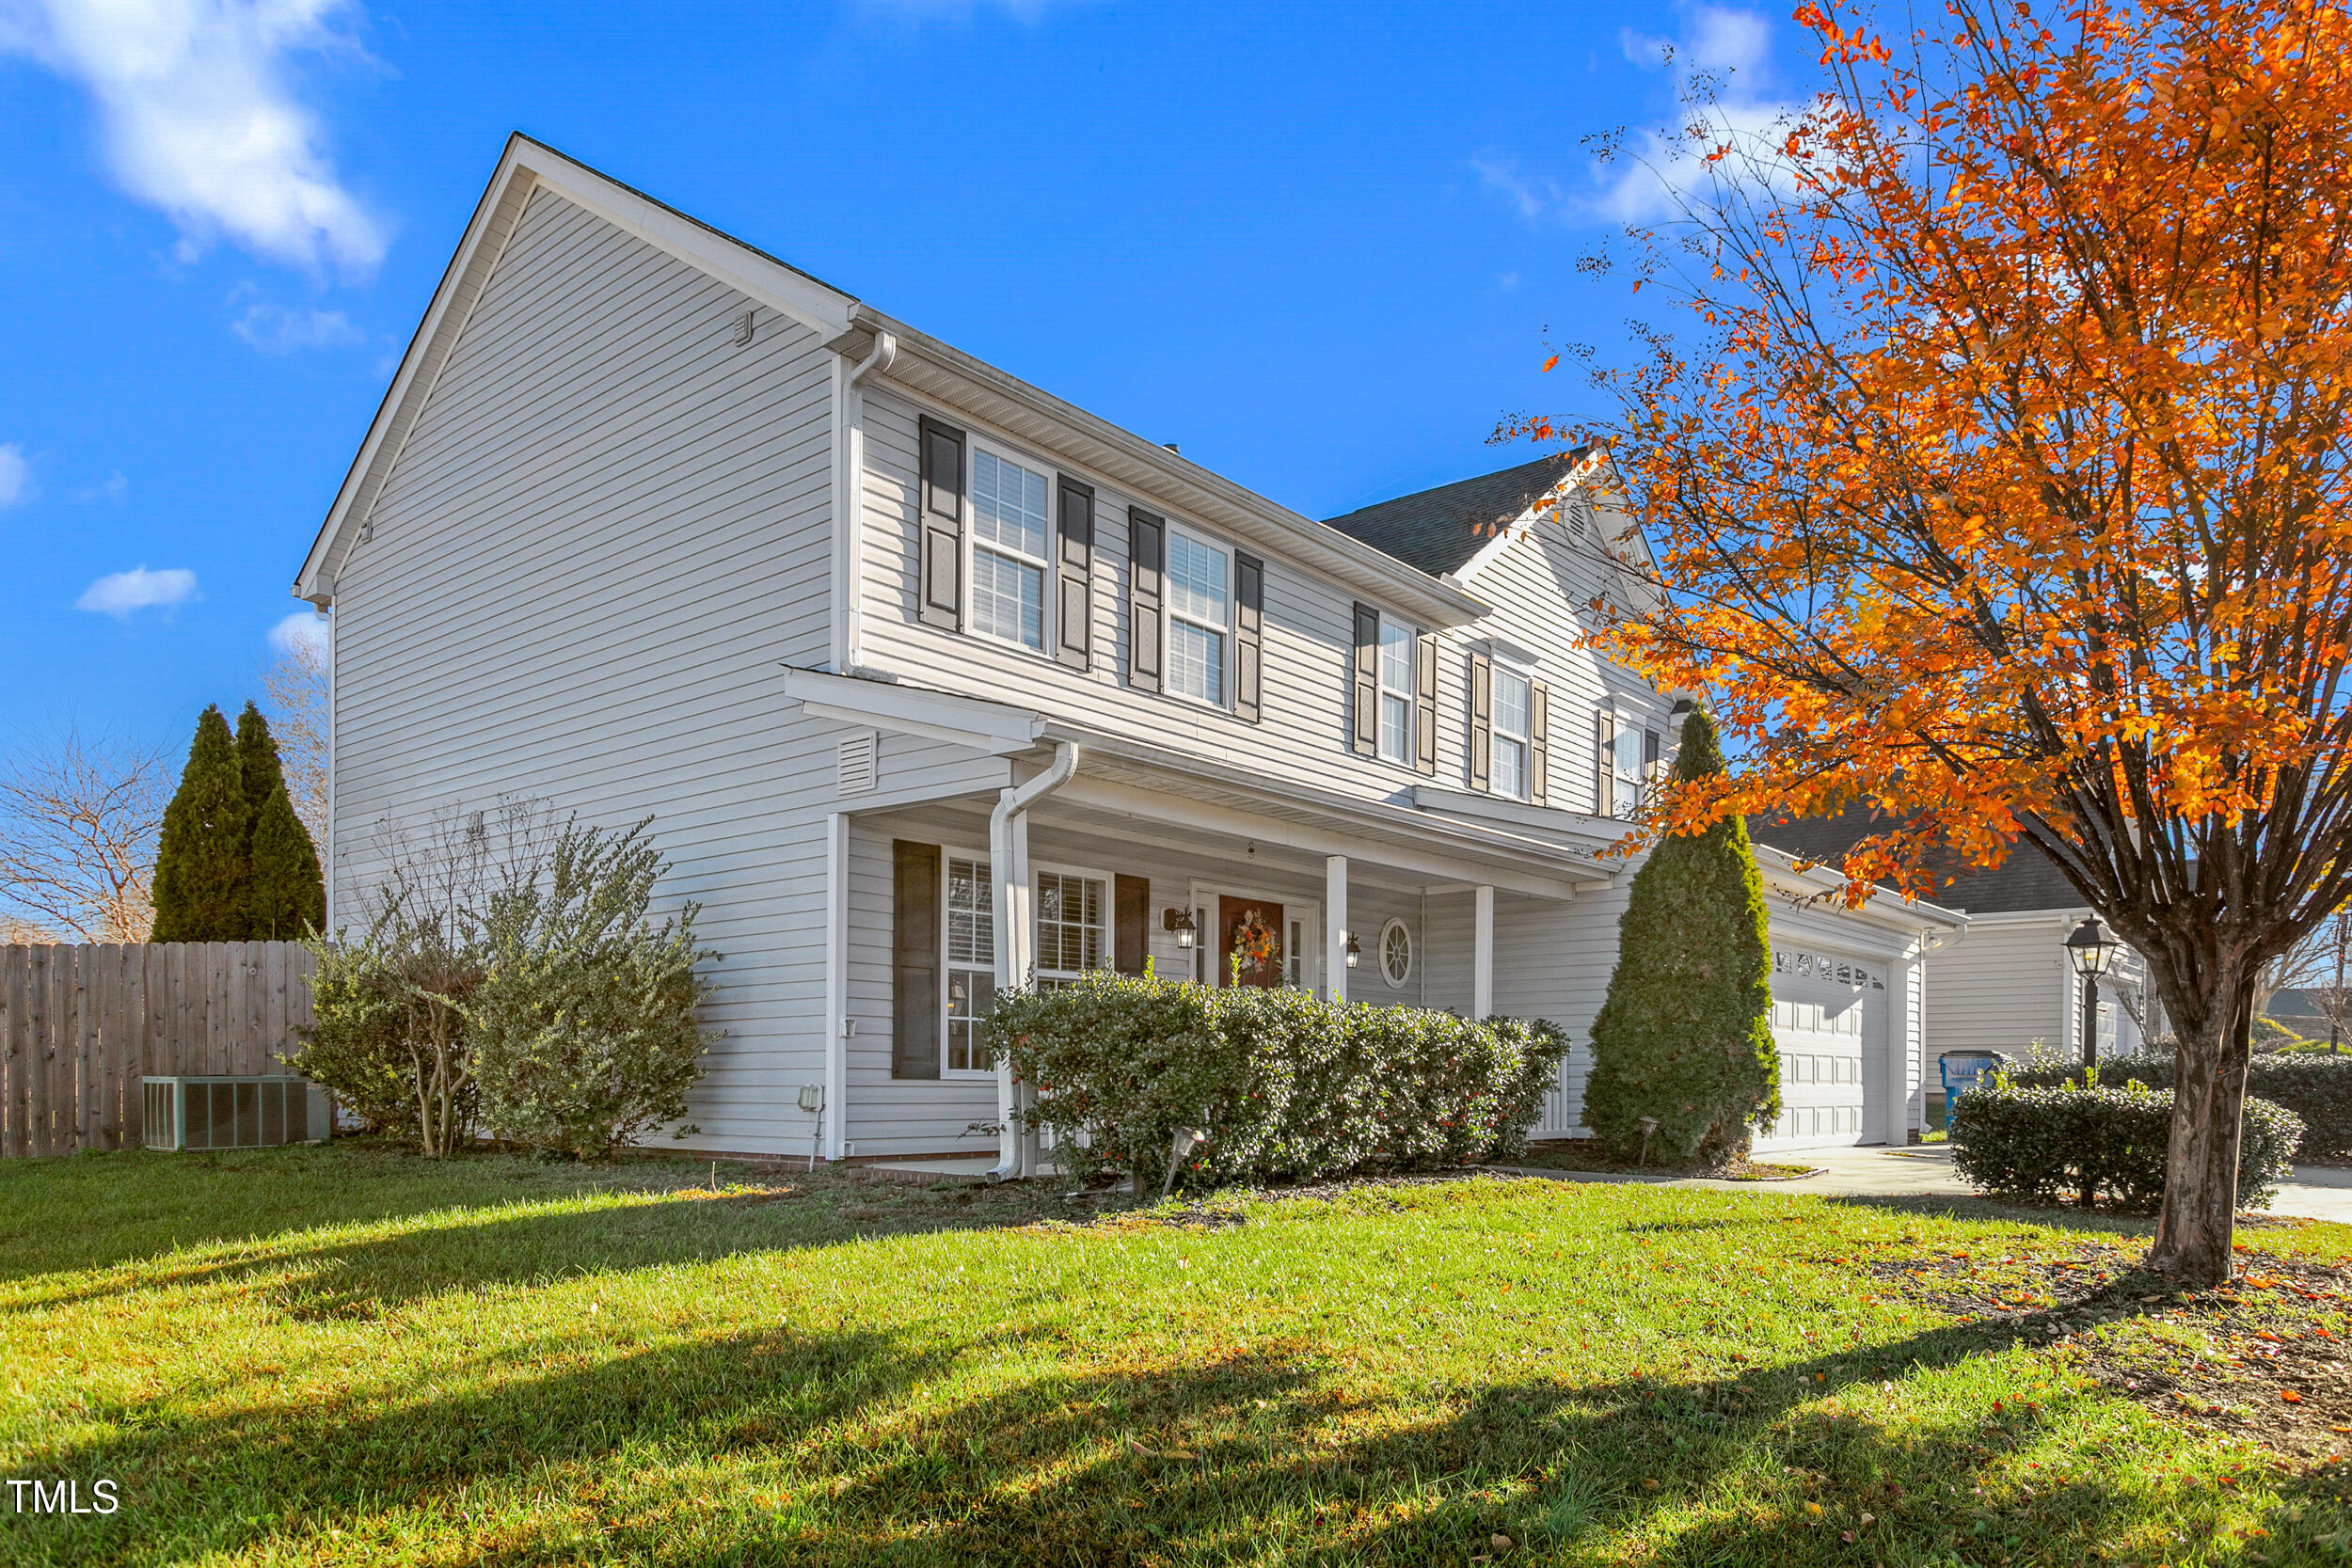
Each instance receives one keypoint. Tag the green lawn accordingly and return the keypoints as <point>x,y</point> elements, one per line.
<point>349,1355</point>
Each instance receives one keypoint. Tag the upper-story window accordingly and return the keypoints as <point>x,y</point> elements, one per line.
<point>1514,733</point>
<point>1010,528</point>
<point>1397,691</point>
<point>1626,763</point>
<point>1200,616</point>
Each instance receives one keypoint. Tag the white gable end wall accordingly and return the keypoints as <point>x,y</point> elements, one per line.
<point>606,531</point>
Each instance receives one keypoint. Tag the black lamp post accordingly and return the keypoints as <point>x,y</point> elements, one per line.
<point>2092,947</point>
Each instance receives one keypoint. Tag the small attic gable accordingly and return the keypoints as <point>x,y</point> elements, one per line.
<point>527,166</point>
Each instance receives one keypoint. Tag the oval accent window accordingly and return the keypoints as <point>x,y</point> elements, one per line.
<point>1396,954</point>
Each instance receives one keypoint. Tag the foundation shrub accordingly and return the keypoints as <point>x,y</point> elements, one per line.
<point>2317,1088</point>
<point>1287,1086</point>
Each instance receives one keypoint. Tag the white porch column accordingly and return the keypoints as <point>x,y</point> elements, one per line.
<point>1335,927</point>
<point>1483,953</point>
<point>1013,941</point>
<point>835,1112</point>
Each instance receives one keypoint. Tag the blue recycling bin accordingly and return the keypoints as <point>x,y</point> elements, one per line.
<point>1963,1070</point>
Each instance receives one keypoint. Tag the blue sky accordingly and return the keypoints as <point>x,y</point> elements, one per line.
<point>1323,246</point>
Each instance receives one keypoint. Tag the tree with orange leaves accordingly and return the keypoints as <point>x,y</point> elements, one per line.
<point>1994,475</point>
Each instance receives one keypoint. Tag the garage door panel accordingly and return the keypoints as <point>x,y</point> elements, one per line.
<point>1829,1022</point>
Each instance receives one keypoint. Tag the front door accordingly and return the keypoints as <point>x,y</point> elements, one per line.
<point>1252,929</point>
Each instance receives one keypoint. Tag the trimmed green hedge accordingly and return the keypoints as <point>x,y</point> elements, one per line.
<point>2049,1143</point>
<point>1287,1086</point>
<point>2316,1088</point>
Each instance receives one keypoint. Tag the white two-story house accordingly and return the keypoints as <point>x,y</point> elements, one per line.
<point>934,683</point>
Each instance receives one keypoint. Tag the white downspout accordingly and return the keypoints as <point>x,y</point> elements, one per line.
<point>1010,870</point>
<point>848,530</point>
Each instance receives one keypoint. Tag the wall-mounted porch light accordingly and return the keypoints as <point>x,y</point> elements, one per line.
<point>1180,921</point>
<point>1355,950</point>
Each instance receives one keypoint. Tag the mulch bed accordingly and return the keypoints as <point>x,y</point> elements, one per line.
<point>2264,1358</point>
<point>1585,1154</point>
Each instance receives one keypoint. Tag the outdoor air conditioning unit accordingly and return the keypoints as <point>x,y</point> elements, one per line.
<point>236,1113</point>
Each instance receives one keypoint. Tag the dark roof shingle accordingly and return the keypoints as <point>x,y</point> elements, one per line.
<point>2029,879</point>
<point>1439,531</point>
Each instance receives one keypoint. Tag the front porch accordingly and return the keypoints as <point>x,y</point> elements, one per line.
<point>1116,866</point>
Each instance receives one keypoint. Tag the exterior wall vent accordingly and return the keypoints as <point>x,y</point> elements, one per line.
<point>858,765</point>
<point>235,1112</point>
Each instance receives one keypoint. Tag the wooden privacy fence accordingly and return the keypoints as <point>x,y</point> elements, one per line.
<point>81,1026</point>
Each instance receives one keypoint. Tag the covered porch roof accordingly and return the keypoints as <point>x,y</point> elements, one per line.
<point>1131,787</point>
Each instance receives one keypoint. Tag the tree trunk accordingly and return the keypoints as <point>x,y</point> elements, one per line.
<point>2193,1230</point>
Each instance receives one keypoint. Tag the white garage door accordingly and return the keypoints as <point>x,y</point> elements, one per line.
<point>1829,1018</point>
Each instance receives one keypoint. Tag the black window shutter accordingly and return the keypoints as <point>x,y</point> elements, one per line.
<point>1249,636</point>
<point>1132,899</point>
<point>1539,744</point>
<point>1367,737</point>
<point>1146,544</point>
<point>1652,745</point>
<point>1481,721</point>
<point>940,598</point>
<point>1425,704</point>
<point>1074,640</point>
<point>914,960</point>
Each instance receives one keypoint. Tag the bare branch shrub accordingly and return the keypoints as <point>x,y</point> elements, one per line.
<point>298,691</point>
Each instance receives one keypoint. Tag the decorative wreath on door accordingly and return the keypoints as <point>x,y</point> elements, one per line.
<point>1256,944</point>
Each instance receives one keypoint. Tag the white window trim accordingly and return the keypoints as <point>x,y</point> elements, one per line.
<point>1503,664</point>
<point>965,852</point>
<point>1382,691</point>
<point>1380,954</point>
<point>1224,633</point>
<point>1110,917</point>
<point>974,544</point>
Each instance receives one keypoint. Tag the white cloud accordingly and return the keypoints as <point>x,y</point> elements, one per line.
<point>112,488</point>
<point>1532,197</point>
<point>1027,12</point>
<point>124,593</point>
<point>304,628</point>
<point>275,329</point>
<point>199,119</point>
<point>16,475</point>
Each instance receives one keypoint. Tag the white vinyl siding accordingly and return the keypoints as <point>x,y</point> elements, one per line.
<point>1397,691</point>
<point>647,506</point>
<point>1513,718</point>
<point>1010,528</point>
<point>1200,617</point>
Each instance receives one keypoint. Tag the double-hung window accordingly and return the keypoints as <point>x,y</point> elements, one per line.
<point>1514,731</point>
<point>1011,529</point>
<point>1072,927</point>
<point>971,963</point>
<point>1398,689</point>
<point>1200,617</point>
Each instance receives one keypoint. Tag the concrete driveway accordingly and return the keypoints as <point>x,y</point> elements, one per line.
<point>1925,1170</point>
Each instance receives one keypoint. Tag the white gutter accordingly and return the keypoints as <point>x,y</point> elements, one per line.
<point>848,495</point>
<point>1013,886</point>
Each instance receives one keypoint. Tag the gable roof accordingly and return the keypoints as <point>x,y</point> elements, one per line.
<point>845,325</point>
<point>2025,881</point>
<point>1440,530</point>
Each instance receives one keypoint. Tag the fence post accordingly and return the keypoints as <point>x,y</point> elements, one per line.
<point>14,1054</point>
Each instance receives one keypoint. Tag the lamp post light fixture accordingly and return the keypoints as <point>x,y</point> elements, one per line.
<point>2092,947</point>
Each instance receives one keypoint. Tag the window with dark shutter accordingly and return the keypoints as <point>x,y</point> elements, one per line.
<point>1249,636</point>
<point>1132,899</point>
<point>940,598</point>
<point>1366,737</point>
<point>1425,704</point>
<point>1481,721</point>
<point>1604,763</point>
<point>1147,546</point>
<point>1539,736</point>
<point>1074,569</point>
<point>915,959</point>
<point>1652,746</point>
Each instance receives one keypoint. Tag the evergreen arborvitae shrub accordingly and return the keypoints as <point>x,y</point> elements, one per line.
<point>257,760</point>
<point>286,896</point>
<point>201,868</point>
<point>1685,1033</point>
